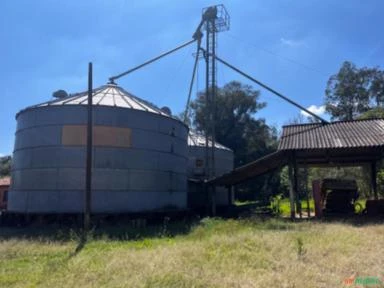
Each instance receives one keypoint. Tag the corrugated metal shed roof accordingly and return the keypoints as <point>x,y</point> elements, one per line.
<point>106,95</point>
<point>343,134</point>
<point>195,139</point>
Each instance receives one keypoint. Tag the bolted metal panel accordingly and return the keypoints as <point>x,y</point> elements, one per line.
<point>44,201</point>
<point>151,140</point>
<point>21,159</point>
<point>49,177</point>
<point>26,120</point>
<point>71,201</point>
<point>72,157</point>
<point>34,201</point>
<point>16,180</point>
<point>71,179</point>
<point>111,180</point>
<point>120,117</point>
<point>125,158</point>
<point>38,136</point>
<point>34,179</point>
<point>161,181</point>
<point>168,127</point>
<point>44,157</point>
<point>175,163</point>
<point>54,115</point>
<point>18,200</point>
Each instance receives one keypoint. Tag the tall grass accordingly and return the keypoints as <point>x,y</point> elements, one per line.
<point>210,253</point>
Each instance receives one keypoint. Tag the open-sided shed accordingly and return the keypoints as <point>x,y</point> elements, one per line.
<point>343,143</point>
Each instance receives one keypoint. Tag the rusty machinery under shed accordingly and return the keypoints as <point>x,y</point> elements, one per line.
<point>343,143</point>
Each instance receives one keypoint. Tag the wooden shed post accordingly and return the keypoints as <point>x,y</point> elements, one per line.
<point>291,190</point>
<point>306,190</point>
<point>296,187</point>
<point>373,180</point>
<point>231,195</point>
<point>213,200</point>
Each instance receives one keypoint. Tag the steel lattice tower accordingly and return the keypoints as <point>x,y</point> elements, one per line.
<point>216,19</point>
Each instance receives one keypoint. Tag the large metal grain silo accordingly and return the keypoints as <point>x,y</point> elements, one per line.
<point>224,158</point>
<point>139,156</point>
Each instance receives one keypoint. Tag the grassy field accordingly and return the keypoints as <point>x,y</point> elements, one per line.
<point>210,253</point>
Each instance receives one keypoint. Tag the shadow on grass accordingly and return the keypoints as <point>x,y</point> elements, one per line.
<point>80,245</point>
<point>122,230</point>
<point>117,231</point>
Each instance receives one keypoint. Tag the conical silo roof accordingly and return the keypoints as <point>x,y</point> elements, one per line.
<point>196,139</point>
<point>106,95</point>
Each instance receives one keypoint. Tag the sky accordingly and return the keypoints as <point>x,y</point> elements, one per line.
<point>292,46</point>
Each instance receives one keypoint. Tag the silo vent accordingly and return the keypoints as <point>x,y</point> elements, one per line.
<point>166,110</point>
<point>60,94</point>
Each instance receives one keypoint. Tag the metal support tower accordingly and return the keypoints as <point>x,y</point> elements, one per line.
<point>210,93</point>
<point>215,19</point>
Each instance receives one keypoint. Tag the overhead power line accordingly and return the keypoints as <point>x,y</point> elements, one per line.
<point>288,59</point>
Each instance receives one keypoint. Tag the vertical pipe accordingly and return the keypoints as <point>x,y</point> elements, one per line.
<point>316,188</point>
<point>88,176</point>
<point>307,191</point>
<point>213,94</point>
<point>213,113</point>
<point>207,119</point>
<point>229,195</point>
<point>207,104</point>
<point>296,186</point>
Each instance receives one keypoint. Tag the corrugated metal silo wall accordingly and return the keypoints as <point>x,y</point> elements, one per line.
<point>48,175</point>
<point>224,163</point>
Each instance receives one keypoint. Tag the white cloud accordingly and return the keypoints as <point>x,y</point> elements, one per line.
<point>292,42</point>
<point>318,110</point>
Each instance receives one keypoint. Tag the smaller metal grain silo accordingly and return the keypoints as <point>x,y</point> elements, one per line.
<point>224,159</point>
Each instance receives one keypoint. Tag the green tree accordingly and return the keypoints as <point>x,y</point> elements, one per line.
<point>374,113</point>
<point>237,128</point>
<point>347,93</point>
<point>354,91</point>
<point>5,166</point>
<point>235,124</point>
<point>376,86</point>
